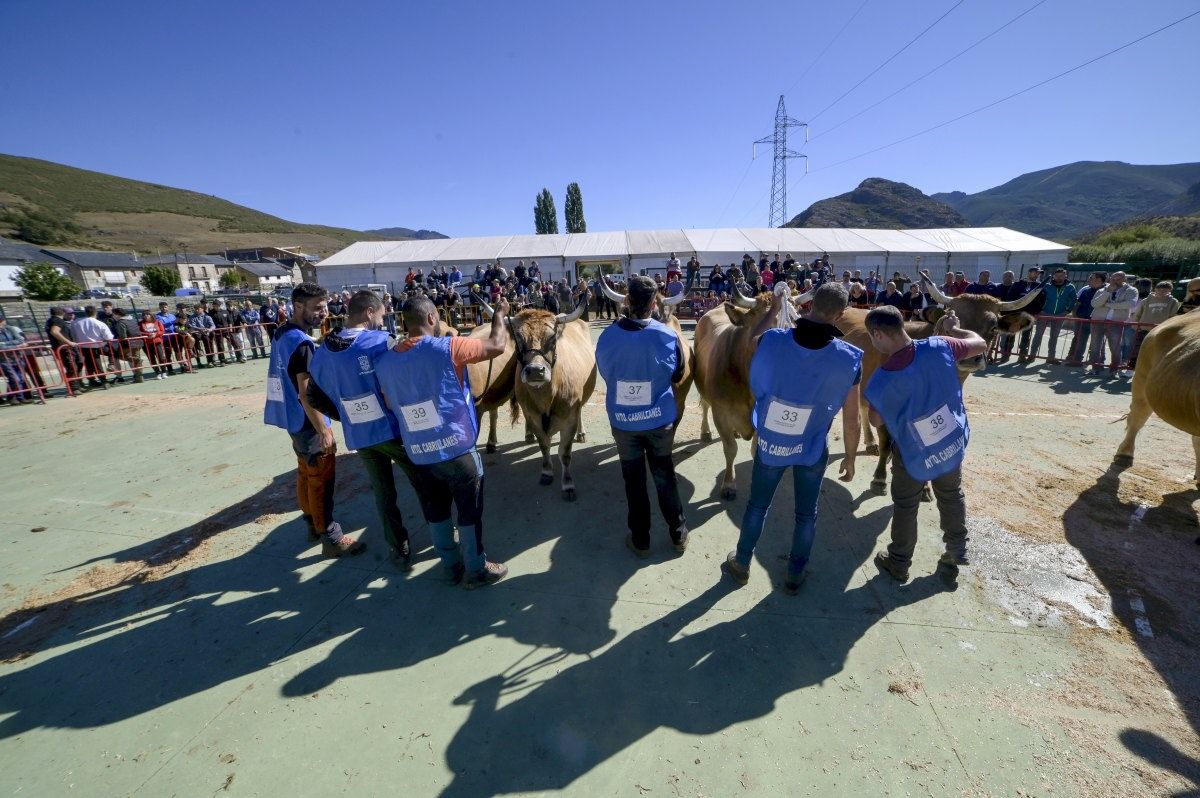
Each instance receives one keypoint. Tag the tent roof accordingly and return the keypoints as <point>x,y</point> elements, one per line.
<point>360,252</point>
<point>601,245</point>
<point>839,239</point>
<point>898,242</point>
<point>657,242</point>
<point>535,246</point>
<point>718,239</point>
<point>415,251</point>
<point>477,248</point>
<point>949,240</point>
<point>1011,240</point>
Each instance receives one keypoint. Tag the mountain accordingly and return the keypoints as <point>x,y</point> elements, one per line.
<point>879,203</point>
<point>56,204</point>
<point>1067,201</point>
<point>399,233</point>
<point>1185,204</point>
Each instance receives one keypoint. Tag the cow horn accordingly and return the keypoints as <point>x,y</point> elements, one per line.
<point>1020,304</point>
<point>805,297</point>
<point>741,300</point>
<point>672,301</point>
<point>567,318</point>
<point>487,309</point>
<point>610,292</point>
<point>934,291</point>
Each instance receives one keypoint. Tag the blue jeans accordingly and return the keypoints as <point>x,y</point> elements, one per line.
<point>806,481</point>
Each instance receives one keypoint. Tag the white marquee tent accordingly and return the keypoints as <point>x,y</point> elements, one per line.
<point>966,249</point>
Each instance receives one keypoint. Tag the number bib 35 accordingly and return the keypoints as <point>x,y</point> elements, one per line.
<point>363,409</point>
<point>421,416</point>
<point>936,426</point>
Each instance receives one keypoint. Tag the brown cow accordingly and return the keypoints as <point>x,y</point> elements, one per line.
<point>724,348</point>
<point>555,365</point>
<point>1167,382</point>
<point>684,386</point>
<point>981,314</point>
<point>492,382</point>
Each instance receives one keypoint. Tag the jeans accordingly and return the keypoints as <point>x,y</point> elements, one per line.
<point>10,367</point>
<point>906,499</point>
<point>1055,328</point>
<point>456,483</point>
<point>1083,331</point>
<point>254,333</point>
<point>806,481</point>
<point>635,450</point>
<point>1102,332</point>
<point>377,460</point>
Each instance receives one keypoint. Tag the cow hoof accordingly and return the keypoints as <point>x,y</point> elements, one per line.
<point>729,493</point>
<point>1123,460</point>
<point>879,487</point>
<point>926,494</point>
<point>568,495</point>
<point>529,437</point>
<point>490,448</point>
<point>706,437</point>
<point>581,437</point>
<point>545,479</point>
<point>872,449</point>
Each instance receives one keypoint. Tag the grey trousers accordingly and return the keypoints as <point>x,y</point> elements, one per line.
<point>906,499</point>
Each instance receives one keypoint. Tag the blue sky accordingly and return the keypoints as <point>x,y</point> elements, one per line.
<point>452,116</point>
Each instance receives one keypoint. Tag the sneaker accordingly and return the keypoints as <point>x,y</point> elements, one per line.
<point>791,585</point>
<point>681,544</point>
<point>489,574</point>
<point>887,565</point>
<point>1126,373</point>
<point>159,376</point>
<point>343,544</point>
<point>1053,361</point>
<point>401,556</point>
<point>1074,363</point>
<point>735,569</point>
<point>641,553</point>
<point>947,570</point>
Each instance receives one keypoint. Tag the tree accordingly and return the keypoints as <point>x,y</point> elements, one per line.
<point>161,280</point>
<point>45,282</point>
<point>573,210</point>
<point>230,279</point>
<point>545,217</point>
<point>40,226</point>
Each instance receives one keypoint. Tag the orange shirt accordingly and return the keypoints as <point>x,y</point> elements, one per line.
<point>463,351</point>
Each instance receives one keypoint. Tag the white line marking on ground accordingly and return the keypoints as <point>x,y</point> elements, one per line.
<point>1140,621</point>
<point>148,510</point>
<point>19,627</point>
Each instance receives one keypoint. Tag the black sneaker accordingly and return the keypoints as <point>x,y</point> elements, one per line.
<point>735,569</point>
<point>629,544</point>
<point>490,574</point>
<point>681,544</point>
<point>791,584</point>
<point>890,567</point>
<point>947,570</point>
<point>401,556</point>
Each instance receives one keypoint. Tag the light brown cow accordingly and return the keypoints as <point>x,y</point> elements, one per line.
<point>985,315</point>
<point>667,305</point>
<point>555,366</point>
<point>724,348</point>
<point>1167,382</point>
<point>492,382</point>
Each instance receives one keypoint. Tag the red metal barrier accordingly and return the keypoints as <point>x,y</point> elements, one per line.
<point>21,372</point>
<point>1073,341</point>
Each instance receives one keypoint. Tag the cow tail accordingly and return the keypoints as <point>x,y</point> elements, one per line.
<point>515,409</point>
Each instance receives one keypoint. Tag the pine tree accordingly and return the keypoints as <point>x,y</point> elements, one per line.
<point>539,214</point>
<point>549,214</point>
<point>573,210</point>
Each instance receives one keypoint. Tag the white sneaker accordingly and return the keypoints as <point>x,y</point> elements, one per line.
<point>158,376</point>
<point>1126,373</point>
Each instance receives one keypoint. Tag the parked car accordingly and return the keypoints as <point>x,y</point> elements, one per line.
<point>99,293</point>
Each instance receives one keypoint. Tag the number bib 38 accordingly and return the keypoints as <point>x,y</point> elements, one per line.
<point>420,416</point>
<point>633,394</point>
<point>936,426</point>
<point>787,419</point>
<point>363,409</point>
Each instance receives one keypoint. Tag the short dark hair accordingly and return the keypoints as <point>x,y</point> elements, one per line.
<point>89,310</point>
<point>885,319</point>
<point>830,299</point>
<point>106,303</point>
<point>119,311</point>
<point>642,291</point>
<point>1100,275</point>
<point>305,292</point>
<point>362,301</point>
<point>1163,284</point>
<point>416,309</point>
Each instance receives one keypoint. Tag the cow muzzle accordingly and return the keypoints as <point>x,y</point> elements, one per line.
<point>536,374</point>
<point>973,364</point>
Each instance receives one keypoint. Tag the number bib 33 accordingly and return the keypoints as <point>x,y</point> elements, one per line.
<point>787,419</point>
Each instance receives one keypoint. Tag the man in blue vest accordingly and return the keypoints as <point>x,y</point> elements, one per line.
<point>917,394</point>
<point>343,386</point>
<point>312,440</point>
<point>639,358</point>
<point>424,379</point>
<point>799,377</point>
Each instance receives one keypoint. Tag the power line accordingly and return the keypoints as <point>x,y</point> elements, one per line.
<point>735,191</point>
<point>828,44</point>
<point>1025,90</point>
<point>891,58</point>
<point>912,83</point>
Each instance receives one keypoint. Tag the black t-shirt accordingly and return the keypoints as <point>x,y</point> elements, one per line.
<point>63,326</point>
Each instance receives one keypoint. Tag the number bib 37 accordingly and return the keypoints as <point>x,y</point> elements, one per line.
<point>421,416</point>
<point>936,426</point>
<point>363,409</point>
<point>633,394</point>
<point>787,419</point>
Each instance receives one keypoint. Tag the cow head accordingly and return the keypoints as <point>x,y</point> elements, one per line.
<point>535,337</point>
<point>984,315</point>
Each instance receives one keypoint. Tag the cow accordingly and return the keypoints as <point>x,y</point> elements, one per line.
<point>985,315</point>
<point>724,349</point>
<point>684,385</point>
<point>555,373</point>
<point>1167,382</point>
<point>492,382</point>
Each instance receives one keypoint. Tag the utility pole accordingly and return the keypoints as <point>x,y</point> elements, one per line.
<point>778,140</point>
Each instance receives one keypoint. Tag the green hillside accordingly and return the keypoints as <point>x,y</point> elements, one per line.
<point>879,203</point>
<point>1068,201</point>
<point>108,212</point>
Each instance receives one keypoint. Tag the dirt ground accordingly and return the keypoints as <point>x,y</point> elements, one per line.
<point>1066,663</point>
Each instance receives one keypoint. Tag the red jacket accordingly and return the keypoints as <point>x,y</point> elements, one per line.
<point>153,330</point>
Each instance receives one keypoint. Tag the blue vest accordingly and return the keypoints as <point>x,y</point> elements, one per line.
<point>797,392</point>
<point>637,368</point>
<point>435,413</point>
<point>922,406</point>
<point>348,378</point>
<point>283,403</point>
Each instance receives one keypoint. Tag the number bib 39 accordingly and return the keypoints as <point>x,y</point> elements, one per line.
<point>421,416</point>
<point>363,409</point>
<point>936,425</point>
<point>787,419</point>
<point>633,394</point>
